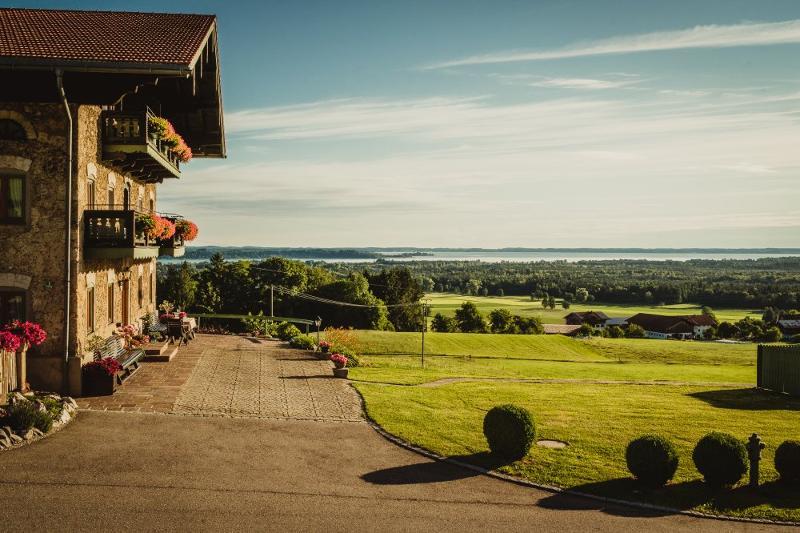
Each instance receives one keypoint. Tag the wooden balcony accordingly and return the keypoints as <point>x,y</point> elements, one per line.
<point>111,234</point>
<point>129,145</point>
<point>172,247</point>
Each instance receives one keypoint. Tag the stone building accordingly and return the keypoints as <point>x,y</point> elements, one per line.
<point>80,164</point>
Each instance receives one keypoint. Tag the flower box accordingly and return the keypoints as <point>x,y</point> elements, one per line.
<point>99,383</point>
<point>100,377</point>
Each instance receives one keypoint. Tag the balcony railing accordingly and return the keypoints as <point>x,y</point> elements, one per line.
<point>129,144</point>
<point>110,232</point>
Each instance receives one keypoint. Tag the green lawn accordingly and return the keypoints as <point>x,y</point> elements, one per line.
<point>556,347</point>
<point>596,419</point>
<point>447,304</point>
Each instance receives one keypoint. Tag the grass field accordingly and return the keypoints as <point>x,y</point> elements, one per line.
<point>598,421</point>
<point>590,403</point>
<point>447,304</point>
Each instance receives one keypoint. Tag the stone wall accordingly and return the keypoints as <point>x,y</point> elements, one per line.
<point>33,254</point>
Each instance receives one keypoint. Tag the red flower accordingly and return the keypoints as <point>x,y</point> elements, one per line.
<point>186,229</point>
<point>9,342</point>
<point>107,365</point>
<point>28,333</point>
<point>339,360</point>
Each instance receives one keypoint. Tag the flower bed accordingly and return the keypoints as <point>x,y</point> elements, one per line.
<point>32,416</point>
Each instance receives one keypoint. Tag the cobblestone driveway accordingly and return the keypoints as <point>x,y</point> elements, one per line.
<point>233,376</point>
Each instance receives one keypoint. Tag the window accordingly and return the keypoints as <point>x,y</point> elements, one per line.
<point>11,131</point>
<point>91,195</point>
<point>110,303</point>
<point>111,198</point>
<point>90,310</point>
<point>12,198</point>
<point>140,289</point>
<point>12,306</point>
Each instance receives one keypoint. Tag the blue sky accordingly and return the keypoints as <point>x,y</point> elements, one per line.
<point>537,123</point>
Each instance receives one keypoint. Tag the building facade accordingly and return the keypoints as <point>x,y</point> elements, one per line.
<point>80,163</point>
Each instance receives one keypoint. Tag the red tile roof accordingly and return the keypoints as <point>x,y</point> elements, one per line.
<point>102,36</point>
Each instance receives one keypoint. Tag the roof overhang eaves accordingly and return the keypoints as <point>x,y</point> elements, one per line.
<point>111,67</point>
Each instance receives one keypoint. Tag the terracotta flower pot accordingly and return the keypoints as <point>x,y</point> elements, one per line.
<point>341,372</point>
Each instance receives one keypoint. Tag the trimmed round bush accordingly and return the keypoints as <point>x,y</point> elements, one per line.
<point>787,460</point>
<point>721,458</point>
<point>509,430</point>
<point>652,460</point>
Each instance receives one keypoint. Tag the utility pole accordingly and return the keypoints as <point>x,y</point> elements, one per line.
<point>271,300</point>
<point>424,327</point>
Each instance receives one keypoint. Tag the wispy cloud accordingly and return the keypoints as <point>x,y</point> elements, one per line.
<point>583,83</point>
<point>711,36</point>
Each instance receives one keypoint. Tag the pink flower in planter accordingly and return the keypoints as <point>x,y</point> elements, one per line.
<point>29,333</point>
<point>9,342</point>
<point>106,365</point>
<point>339,360</point>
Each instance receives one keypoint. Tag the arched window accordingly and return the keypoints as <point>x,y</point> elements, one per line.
<point>11,130</point>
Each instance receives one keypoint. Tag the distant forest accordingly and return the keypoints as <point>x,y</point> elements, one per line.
<point>744,283</point>
<point>387,291</point>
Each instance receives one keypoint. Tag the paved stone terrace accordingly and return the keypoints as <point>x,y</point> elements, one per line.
<point>233,376</point>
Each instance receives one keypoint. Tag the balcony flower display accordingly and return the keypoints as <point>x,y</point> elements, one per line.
<point>145,224</point>
<point>164,228</point>
<point>163,129</point>
<point>186,229</point>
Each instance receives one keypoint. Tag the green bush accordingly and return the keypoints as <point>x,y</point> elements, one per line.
<point>721,459</point>
<point>509,430</point>
<point>787,460</point>
<point>303,342</point>
<point>652,460</point>
<point>285,331</point>
<point>24,416</point>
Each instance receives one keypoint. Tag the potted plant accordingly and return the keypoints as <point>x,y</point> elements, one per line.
<point>29,334</point>
<point>340,364</point>
<point>100,377</point>
<point>9,344</point>
<point>324,346</point>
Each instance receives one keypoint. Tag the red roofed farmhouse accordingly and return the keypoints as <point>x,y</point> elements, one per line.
<point>673,327</point>
<point>96,109</point>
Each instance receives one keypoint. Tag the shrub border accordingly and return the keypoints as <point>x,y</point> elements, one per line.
<point>551,488</point>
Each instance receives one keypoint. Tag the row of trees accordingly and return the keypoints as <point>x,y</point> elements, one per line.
<point>468,319</point>
<point>381,300</point>
<point>720,283</point>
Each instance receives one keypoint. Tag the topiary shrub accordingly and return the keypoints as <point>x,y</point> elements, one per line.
<point>303,342</point>
<point>285,331</point>
<point>721,459</point>
<point>652,460</point>
<point>509,430</point>
<point>787,461</point>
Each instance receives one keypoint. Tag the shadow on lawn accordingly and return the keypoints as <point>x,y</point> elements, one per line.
<point>748,399</point>
<point>681,496</point>
<point>432,471</point>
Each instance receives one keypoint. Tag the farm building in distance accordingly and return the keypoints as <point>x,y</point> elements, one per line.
<point>570,330</point>
<point>673,327</point>
<point>593,318</point>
